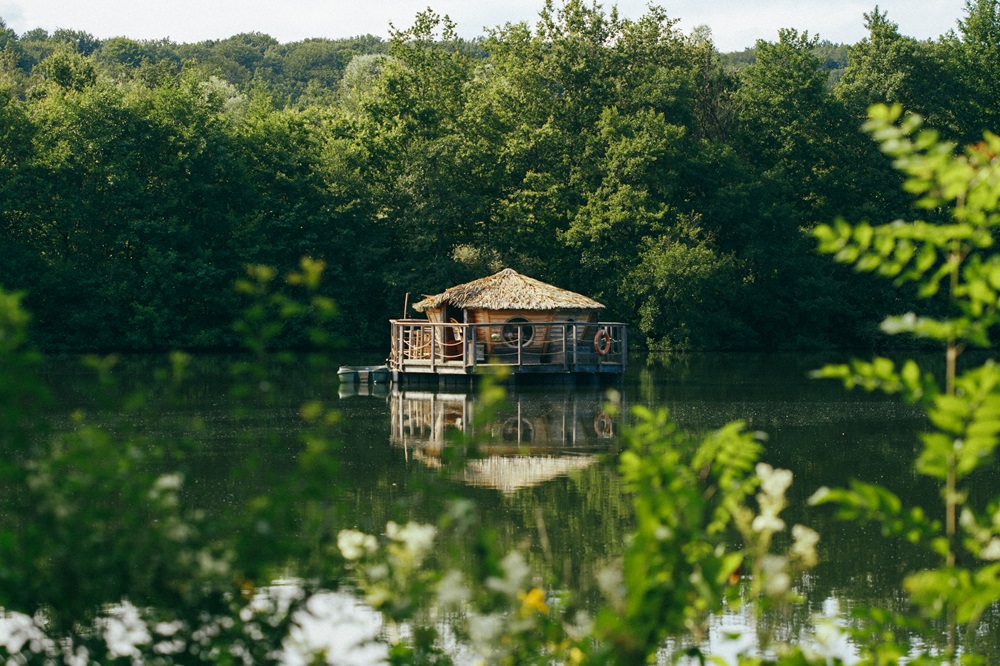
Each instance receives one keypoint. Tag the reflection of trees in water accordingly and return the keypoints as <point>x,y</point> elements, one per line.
<point>155,515</point>
<point>256,502</point>
<point>244,492</point>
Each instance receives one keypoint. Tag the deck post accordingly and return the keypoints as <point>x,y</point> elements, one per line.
<point>624,348</point>
<point>392,344</point>
<point>397,340</point>
<point>465,346</point>
<point>472,338</point>
<point>433,354</point>
<point>406,340</point>
<point>576,362</point>
<point>565,338</point>
<point>520,339</point>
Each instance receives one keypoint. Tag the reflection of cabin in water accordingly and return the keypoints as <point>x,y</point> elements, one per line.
<point>534,438</point>
<point>507,320</point>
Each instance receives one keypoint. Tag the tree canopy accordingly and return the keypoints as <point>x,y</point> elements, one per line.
<point>619,158</point>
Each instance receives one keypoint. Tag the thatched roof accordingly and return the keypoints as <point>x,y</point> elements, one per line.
<point>508,290</point>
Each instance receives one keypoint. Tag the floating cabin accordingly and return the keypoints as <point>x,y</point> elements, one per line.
<point>507,320</point>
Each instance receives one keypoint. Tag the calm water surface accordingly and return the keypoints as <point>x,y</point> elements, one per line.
<point>545,469</point>
<point>564,472</point>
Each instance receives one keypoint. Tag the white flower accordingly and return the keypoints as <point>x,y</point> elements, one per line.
<point>452,590</point>
<point>485,629</point>
<point>354,545</point>
<point>124,631</point>
<point>415,537</point>
<point>777,585</point>
<point>992,550</point>
<point>768,522</point>
<point>168,628</point>
<point>165,489</point>
<point>776,579</point>
<point>831,643</point>
<point>516,573</point>
<point>169,482</point>
<point>611,582</point>
<point>16,629</point>
<point>773,482</point>
<point>804,545</point>
<point>337,628</point>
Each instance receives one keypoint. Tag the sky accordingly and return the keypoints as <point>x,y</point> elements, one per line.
<point>735,24</point>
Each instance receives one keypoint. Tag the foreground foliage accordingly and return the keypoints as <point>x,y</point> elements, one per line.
<point>950,255</point>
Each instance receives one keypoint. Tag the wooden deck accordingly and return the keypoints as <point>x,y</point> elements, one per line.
<point>423,348</point>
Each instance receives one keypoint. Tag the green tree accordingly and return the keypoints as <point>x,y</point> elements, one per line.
<point>686,293</point>
<point>8,38</point>
<point>16,135</point>
<point>124,52</point>
<point>803,160</point>
<point>979,56</point>
<point>889,68</point>
<point>35,46</point>
<point>588,119</point>
<point>83,43</point>
<point>67,69</point>
<point>360,76</point>
<point>404,133</point>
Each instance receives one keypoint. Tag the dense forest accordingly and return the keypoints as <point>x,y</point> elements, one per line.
<point>619,158</point>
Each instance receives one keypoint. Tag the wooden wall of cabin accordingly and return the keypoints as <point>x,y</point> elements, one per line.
<point>542,336</point>
<point>451,336</point>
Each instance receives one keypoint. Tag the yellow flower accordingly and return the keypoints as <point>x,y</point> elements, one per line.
<point>534,600</point>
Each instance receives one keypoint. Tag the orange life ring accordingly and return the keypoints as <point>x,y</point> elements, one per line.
<point>602,341</point>
<point>603,425</point>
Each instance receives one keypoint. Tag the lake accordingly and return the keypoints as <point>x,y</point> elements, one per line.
<point>542,472</point>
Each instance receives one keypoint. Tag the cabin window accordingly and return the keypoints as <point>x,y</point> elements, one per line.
<point>515,332</point>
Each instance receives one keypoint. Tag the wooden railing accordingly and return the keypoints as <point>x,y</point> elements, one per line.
<point>426,347</point>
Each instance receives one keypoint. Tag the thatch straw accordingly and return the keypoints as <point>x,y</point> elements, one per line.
<point>508,290</point>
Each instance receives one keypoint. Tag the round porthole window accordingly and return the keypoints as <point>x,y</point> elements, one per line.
<point>517,331</point>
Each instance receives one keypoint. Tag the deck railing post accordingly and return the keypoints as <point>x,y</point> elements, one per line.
<point>395,353</point>
<point>520,343</point>
<point>433,355</point>
<point>403,352</point>
<point>576,364</point>
<point>565,352</point>
<point>475,345</point>
<point>598,356</point>
<point>624,347</point>
<point>469,350</point>
<point>400,332</point>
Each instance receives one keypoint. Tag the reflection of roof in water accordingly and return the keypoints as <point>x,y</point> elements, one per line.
<point>509,474</point>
